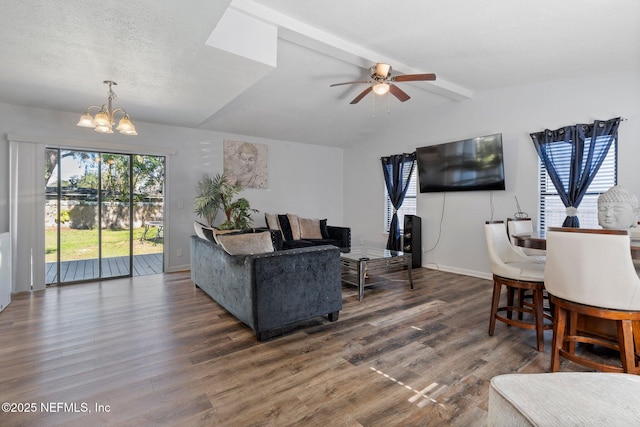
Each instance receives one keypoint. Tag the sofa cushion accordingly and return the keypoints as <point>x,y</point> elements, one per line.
<point>318,242</point>
<point>304,243</point>
<point>246,243</point>
<point>203,231</point>
<point>295,226</point>
<point>310,228</point>
<point>295,244</point>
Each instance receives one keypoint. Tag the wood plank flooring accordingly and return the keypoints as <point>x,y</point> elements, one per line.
<point>155,350</point>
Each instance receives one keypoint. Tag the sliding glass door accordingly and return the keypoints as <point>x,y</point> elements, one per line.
<point>99,208</point>
<point>116,238</point>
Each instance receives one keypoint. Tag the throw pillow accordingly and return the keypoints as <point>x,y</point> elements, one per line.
<point>323,229</point>
<point>310,228</point>
<point>246,243</point>
<point>198,229</point>
<point>203,231</point>
<point>217,233</point>
<point>285,227</point>
<point>272,221</point>
<point>295,226</point>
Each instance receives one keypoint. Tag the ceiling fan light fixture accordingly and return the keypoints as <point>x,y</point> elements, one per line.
<point>381,82</point>
<point>380,88</point>
<point>382,69</point>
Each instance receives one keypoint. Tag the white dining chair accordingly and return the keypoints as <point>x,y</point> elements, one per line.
<point>524,226</point>
<point>518,274</point>
<point>591,273</point>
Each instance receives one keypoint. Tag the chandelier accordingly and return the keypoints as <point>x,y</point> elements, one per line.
<point>105,119</point>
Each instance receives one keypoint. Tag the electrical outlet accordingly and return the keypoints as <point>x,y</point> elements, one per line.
<point>179,252</point>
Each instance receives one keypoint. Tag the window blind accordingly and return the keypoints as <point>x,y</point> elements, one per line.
<point>552,210</point>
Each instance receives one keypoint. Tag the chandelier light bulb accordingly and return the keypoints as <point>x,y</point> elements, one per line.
<point>125,126</point>
<point>86,121</point>
<point>101,119</point>
<point>103,129</point>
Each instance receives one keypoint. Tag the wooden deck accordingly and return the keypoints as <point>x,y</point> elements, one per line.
<point>73,271</point>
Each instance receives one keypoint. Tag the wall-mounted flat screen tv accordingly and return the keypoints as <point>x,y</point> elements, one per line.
<point>468,165</point>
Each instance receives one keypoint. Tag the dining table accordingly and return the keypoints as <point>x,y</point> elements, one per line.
<point>537,240</point>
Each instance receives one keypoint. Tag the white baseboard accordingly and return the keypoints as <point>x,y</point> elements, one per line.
<point>463,271</point>
<point>177,268</point>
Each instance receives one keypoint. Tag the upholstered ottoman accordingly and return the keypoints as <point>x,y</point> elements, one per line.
<point>564,399</point>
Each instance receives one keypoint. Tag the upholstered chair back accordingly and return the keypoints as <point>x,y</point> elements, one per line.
<point>592,267</point>
<point>519,226</point>
<point>504,259</point>
<point>523,226</point>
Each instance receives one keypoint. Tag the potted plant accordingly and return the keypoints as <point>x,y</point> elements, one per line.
<point>215,193</point>
<point>238,214</point>
<point>208,201</point>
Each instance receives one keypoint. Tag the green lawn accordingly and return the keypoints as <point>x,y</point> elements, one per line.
<point>83,244</point>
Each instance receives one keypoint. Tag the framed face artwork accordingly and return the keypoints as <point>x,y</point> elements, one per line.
<point>246,164</point>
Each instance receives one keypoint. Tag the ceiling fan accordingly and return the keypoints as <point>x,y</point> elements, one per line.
<point>382,82</point>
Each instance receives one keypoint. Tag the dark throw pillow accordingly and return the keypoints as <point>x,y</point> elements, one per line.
<point>323,229</point>
<point>285,227</point>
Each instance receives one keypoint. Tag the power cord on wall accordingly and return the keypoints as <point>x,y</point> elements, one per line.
<point>491,203</point>
<point>444,198</point>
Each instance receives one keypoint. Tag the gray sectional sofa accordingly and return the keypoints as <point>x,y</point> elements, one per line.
<point>272,290</point>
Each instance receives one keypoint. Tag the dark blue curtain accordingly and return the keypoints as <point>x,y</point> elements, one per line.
<point>572,156</point>
<point>397,170</point>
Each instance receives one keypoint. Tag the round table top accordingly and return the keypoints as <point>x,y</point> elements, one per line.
<point>537,240</point>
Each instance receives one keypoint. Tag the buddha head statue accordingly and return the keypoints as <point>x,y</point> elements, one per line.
<point>617,209</point>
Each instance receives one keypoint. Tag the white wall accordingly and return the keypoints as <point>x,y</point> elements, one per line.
<point>303,179</point>
<point>515,112</point>
<point>347,187</point>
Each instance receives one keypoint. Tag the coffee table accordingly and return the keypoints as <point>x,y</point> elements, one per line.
<point>363,260</point>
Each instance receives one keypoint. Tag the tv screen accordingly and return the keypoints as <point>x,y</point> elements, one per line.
<point>468,165</point>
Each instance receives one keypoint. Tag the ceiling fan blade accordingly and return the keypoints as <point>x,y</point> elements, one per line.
<point>362,95</point>
<point>398,93</point>
<point>413,77</point>
<point>350,83</point>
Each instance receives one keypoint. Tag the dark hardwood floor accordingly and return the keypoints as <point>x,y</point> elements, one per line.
<point>155,350</point>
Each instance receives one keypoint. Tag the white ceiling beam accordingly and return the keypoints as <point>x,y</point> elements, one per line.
<point>313,38</point>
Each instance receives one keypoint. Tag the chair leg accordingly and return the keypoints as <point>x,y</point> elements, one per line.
<point>538,303</point>
<point>636,334</point>
<point>625,341</point>
<point>495,301</point>
<point>510,301</point>
<point>572,328</point>
<point>559,325</point>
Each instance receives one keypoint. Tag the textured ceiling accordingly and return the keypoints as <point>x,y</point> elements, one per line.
<point>56,55</point>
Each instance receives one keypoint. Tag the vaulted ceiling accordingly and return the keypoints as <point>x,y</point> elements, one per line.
<point>263,67</point>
